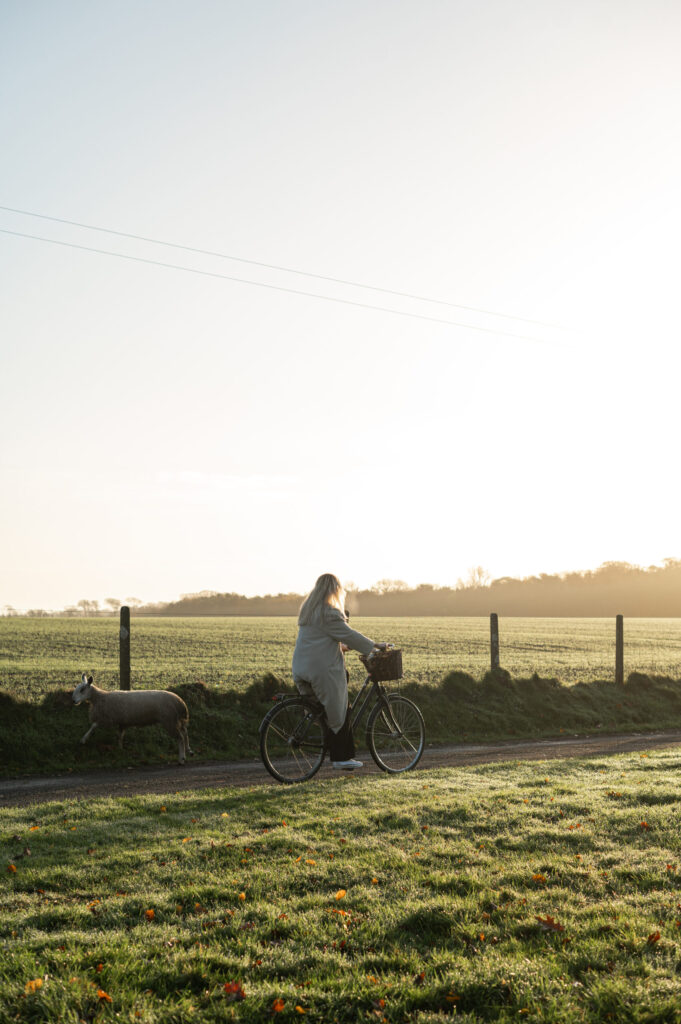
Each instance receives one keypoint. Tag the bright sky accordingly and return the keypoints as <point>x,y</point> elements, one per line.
<point>167,432</point>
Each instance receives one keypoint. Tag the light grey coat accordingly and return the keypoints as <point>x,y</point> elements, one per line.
<point>318,663</point>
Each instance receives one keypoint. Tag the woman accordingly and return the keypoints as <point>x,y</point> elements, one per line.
<point>318,663</point>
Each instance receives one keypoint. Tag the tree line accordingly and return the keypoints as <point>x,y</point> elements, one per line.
<point>614,588</point>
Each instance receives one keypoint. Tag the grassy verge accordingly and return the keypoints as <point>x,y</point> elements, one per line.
<point>44,737</point>
<point>509,892</point>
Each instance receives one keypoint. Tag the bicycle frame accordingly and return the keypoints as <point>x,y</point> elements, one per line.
<point>377,690</point>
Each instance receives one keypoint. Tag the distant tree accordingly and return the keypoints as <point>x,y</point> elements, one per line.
<point>70,611</point>
<point>477,578</point>
<point>37,613</point>
<point>88,607</point>
<point>133,602</point>
<point>113,603</point>
<point>389,587</point>
<point>9,610</point>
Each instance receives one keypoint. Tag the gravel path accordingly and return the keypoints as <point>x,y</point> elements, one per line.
<point>132,781</point>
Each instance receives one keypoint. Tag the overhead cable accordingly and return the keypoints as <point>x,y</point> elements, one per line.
<point>273,266</point>
<point>273,287</point>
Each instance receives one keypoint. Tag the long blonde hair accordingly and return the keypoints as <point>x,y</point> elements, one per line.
<point>328,590</point>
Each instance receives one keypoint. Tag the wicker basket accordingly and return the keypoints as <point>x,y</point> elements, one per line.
<point>385,665</point>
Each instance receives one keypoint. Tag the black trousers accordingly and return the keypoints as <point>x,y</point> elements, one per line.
<point>342,743</point>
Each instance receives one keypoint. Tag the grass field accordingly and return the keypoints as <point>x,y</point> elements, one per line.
<point>227,670</point>
<point>538,891</point>
<point>38,655</point>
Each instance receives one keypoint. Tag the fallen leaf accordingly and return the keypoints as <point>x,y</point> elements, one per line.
<point>549,924</point>
<point>653,938</point>
<point>33,986</point>
<point>340,894</point>
<point>103,996</point>
<point>235,991</point>
<point>149,914</point>
<point>278,1005</point>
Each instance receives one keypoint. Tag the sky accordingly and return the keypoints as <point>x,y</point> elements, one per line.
<point>514,164</point>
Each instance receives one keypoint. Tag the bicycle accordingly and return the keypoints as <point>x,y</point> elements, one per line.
<point>293,734</point>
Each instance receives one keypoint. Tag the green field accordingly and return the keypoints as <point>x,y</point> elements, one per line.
<point>559,677</point>
<point>538,891</point>
<point>38,655</point>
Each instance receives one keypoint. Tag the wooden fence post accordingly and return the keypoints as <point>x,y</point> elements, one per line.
<point>619,649</point>
<point>124,635</point>
<point>494,640</point>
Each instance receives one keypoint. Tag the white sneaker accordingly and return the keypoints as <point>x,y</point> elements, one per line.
<point>348,765</point>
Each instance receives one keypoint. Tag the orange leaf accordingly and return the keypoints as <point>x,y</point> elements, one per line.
<point>34,828</point>
<point>149,914</point>
<point>340,894</point>
<point>277,1005</point>
<point>12,868</point>
<point>653,938</point>
<point>549,924</point>
<point>103,996</point>
<point>33,986</point>
<point>311,862</point>
<point>99,968</point>
<point>645,825</point>
<point>242,895</point>
<point>538,878</point>
<point>299,1009</point>
<point>234,990</point>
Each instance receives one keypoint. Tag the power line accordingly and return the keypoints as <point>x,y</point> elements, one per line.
<point>272,266</point>
<point>273,287</point>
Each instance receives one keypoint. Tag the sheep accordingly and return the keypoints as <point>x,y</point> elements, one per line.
<point>135,707</point>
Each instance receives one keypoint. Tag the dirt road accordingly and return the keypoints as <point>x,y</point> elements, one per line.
<point>20,792</point>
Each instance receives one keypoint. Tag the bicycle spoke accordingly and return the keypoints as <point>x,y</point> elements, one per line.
<point>396,734</point>
<point>292,741</point>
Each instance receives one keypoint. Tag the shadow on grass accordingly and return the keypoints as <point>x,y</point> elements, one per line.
<point>43,738</point>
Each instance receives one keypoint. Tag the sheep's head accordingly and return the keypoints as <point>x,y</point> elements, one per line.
<point>83,690</point>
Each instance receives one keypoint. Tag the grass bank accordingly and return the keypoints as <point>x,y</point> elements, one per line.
<point>41,738</point>
<point>501,893</point>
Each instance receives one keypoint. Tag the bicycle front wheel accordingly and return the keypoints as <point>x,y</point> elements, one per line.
<point>292,741</point>
<point>396,734</point>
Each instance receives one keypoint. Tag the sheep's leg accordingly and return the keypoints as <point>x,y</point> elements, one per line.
<point>121,734</point>
<point>180,747</point>
<point>89,732</point>
<point>185,737</point>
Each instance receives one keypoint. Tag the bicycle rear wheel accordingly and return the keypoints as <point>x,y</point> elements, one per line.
<point>292,740</point>
<point>396,735</point>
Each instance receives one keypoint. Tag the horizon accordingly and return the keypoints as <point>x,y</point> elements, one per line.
<point>477,577</point>
<point>347,287</point>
